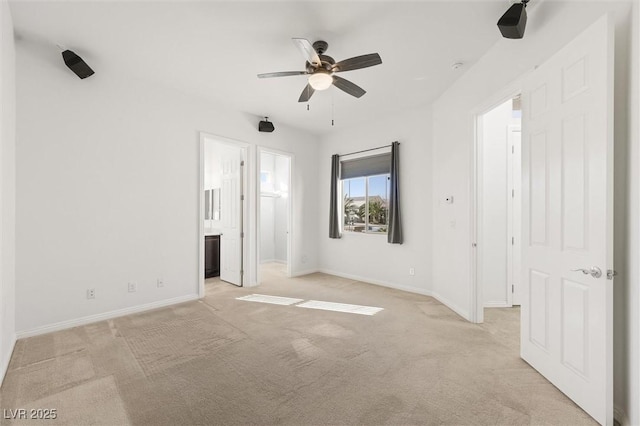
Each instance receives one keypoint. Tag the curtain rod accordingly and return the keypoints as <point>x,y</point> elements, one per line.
<point>366,150</point>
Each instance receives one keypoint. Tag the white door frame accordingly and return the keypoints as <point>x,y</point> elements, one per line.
<point>514,216</point>
<point>476,294</point>
<point>290,248</point>
<point>249,218</point>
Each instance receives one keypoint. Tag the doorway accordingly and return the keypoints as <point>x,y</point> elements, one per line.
<point>223,212</point>
<point>274,213</point>
<point>566,321</point>
<point>498,198</point>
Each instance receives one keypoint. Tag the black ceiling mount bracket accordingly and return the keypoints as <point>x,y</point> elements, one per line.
<point>76,64</point>
<point>266,126</point>
<point>514,21</point>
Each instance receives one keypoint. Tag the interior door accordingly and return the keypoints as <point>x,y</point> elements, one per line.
<point>567,149</point>
<point>231,206</point>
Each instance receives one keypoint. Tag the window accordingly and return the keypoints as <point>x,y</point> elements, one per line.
<point>365,194</point>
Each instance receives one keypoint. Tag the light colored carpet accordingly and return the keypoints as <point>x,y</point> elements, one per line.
<point>228,361</point>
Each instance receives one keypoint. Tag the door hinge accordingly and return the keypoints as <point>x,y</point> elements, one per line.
<point>242,163</point>
<point>513,288</point>
<point>611,273</point>
<point>242,235</point>
<point>513,193</point>
<point>513,240</point>
<point>242,197</point>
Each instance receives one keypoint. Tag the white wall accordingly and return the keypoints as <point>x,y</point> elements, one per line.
<point>107,172</point>
<point>493,226</point>
<point>7,188</point>
<point>369,257</point>
<point>550,26</point>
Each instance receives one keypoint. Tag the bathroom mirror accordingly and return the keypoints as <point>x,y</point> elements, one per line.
<point>215,203</point>
<point>212,204</point>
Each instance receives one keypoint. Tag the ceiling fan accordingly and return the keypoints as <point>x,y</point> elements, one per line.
<point>321,69</point>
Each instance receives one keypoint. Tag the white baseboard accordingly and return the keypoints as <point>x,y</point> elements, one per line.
<point>620,416</point>
<point>377,282</point>
<point>455,308</point>
<point>4,363</point>
<point>301,273</point>
<point>497,304</point>
<point>464,313</point>
<point>63,325</point>
<point>283,262</point>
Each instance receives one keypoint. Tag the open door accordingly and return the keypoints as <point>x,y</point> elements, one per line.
<point>231,206</point>
<point>567,163</point>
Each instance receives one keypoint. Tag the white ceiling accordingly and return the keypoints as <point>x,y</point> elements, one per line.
<point>214,49</point>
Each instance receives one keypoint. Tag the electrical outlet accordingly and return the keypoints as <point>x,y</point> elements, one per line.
<point>133,287</point>
<point>160,282</point>
<point>412,271</point>
<point>91,293</point>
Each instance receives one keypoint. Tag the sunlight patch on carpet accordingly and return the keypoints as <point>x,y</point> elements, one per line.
<point>340,307</point>
<point>274,300</point>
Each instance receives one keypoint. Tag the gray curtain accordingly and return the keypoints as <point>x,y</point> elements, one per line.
<point>394,234</point>
<point>334,217</point>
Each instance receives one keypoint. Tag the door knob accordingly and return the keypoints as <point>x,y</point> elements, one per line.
<point>595,272</point>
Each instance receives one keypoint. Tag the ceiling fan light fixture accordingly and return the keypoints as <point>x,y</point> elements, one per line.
<point>320,80</point>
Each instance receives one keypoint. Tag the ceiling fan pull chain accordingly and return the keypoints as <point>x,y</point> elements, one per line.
<point>332,108</point>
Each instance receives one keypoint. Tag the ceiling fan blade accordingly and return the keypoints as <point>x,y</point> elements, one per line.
<point>306,93</point>
<point>348,87</point>
<point>358,62</point>
<point>281,74</point>
<point>308,51</point>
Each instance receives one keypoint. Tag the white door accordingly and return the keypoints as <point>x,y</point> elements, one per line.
<point>567,150</point>
<point>231,212</point>
<point>515,216</point>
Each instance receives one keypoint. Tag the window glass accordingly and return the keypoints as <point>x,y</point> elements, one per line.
<point>378,196</point>
<point>365,202</point>
<point>354,202</point>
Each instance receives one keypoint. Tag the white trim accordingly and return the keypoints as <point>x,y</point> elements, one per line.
<point>4,367</point>
<point>514,213</point>
<point>63,325</point>
<point>250,242</point>
<point>201,239</point>
<point>304,272</point>
<point>280,261</point>
<point>476,302</point>
<point>497,304</point>
<point>620,416</point>
<point>455,308</point>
